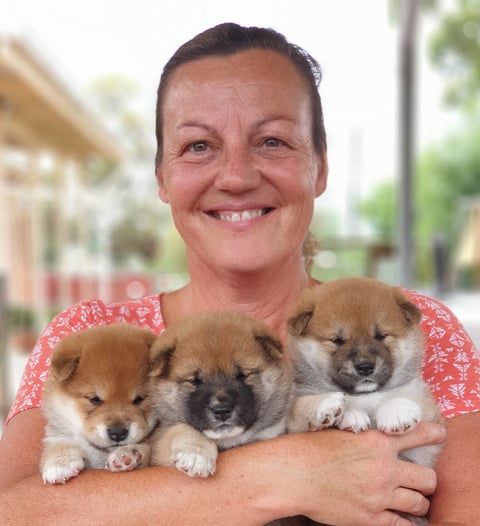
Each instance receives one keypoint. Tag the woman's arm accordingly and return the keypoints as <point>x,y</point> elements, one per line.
<point>327,475</point>
<point>456,501</point>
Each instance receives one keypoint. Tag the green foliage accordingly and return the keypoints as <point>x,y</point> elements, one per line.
<point>446,174</point>
<point>138,217</point>
<point>136,236</point>
<point>173,257</point>
<point>21,318</point>
<point>117,99</point>
<point>380,210</point>
<point>455,49</point>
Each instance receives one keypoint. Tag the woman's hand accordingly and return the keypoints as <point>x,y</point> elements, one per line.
<point>343,478</point>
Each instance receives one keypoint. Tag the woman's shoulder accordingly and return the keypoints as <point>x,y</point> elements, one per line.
<point>438,320</point>
<point>146,311</point>
<point>451,362</point>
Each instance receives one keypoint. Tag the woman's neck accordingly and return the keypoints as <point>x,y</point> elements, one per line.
<point>268,296</point>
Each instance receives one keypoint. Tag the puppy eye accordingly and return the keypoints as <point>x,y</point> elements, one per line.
<point>337,341</point>
<point>241,376</point>
<point>195,381</point>
<point>138,400</point>
<point>379,336</point>
<point>95,400</point>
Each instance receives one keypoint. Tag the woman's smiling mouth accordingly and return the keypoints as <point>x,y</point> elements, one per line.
<point>234,216</point>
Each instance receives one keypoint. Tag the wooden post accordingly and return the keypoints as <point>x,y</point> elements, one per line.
<point>406,160</point>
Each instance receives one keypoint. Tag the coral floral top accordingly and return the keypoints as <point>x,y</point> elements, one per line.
<point>451,364</point>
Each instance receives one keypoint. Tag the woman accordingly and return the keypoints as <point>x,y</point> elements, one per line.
<point>241,158</point>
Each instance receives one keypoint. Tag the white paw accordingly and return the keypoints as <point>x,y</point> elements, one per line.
<point>127,458</point>
<point>196,460</point>
<point>355,420</point>
<point>329,411</point>
<point>60,469</point>
<point>398,415</point>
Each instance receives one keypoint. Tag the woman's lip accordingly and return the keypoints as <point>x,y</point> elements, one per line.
<point>233,216</point>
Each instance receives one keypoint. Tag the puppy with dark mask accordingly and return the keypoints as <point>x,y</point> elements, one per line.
<point>219,380</point>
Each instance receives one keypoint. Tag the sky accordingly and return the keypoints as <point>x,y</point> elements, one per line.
<point>354,41</point>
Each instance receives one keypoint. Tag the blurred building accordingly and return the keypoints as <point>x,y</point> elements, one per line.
<point>48,141</point>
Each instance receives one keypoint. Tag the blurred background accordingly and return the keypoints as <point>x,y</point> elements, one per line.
<point>79,212</point>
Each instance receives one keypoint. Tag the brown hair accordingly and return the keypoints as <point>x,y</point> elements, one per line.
<point>228,39</point>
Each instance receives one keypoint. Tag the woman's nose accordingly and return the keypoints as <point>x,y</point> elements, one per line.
<point>237,172</point>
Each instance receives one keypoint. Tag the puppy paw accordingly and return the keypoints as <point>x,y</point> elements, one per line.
<point>329,412</point>
<point>186,448</point>
<point>196,460</point>
<point>398,415</point>
<point>128,458</point>
<point>355,420</point>
<point>60,467</point>
<point>195,464</point>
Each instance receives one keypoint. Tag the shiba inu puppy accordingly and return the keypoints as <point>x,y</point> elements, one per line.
<point>96,402</point>
<point>220,379</point>
<point>357,351</point>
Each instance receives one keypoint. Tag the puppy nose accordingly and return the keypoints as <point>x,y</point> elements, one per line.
<point>365,368</point>
<point>117,433</point>
<point>222,410</point>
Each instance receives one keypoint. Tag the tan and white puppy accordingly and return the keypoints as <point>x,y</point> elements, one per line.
<point>96,402</point>
<point>220,379</point>
<point>357,350</point>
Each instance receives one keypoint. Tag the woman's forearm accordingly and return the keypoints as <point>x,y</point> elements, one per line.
<point>456,501</point>
<point>325,475</point>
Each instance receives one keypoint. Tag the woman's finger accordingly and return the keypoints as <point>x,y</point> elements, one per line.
<point>408,501</point>
<point>417,477</point>
<point>421,435</point>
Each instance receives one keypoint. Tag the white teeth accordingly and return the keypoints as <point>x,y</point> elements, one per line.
<point>246,215</point>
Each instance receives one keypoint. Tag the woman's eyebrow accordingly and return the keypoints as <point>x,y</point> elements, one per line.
<point>274,118</point>
<point>193,124</point>
<point>258,124</point>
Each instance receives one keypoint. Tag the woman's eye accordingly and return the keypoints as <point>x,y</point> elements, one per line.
<point>272,143</point>
<point>198,147</point>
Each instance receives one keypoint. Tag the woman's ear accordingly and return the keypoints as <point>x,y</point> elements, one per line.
<point>162,189</point>
<point>322,175</point>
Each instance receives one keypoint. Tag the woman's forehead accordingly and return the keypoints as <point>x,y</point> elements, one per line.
<point>251,67</point>
<point>260,83</point>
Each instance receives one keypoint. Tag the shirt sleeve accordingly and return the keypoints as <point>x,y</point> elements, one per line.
<point>451,362</point>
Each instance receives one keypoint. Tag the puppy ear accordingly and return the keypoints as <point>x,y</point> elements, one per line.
<point>411,312</point>
<point>271,346</point>
<point>297,325</point>
<point>161,354</point>
<point>149,338</point>
<point>66,357</point>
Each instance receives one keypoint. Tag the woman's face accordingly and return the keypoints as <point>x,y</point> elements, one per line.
<point>239,168</point>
